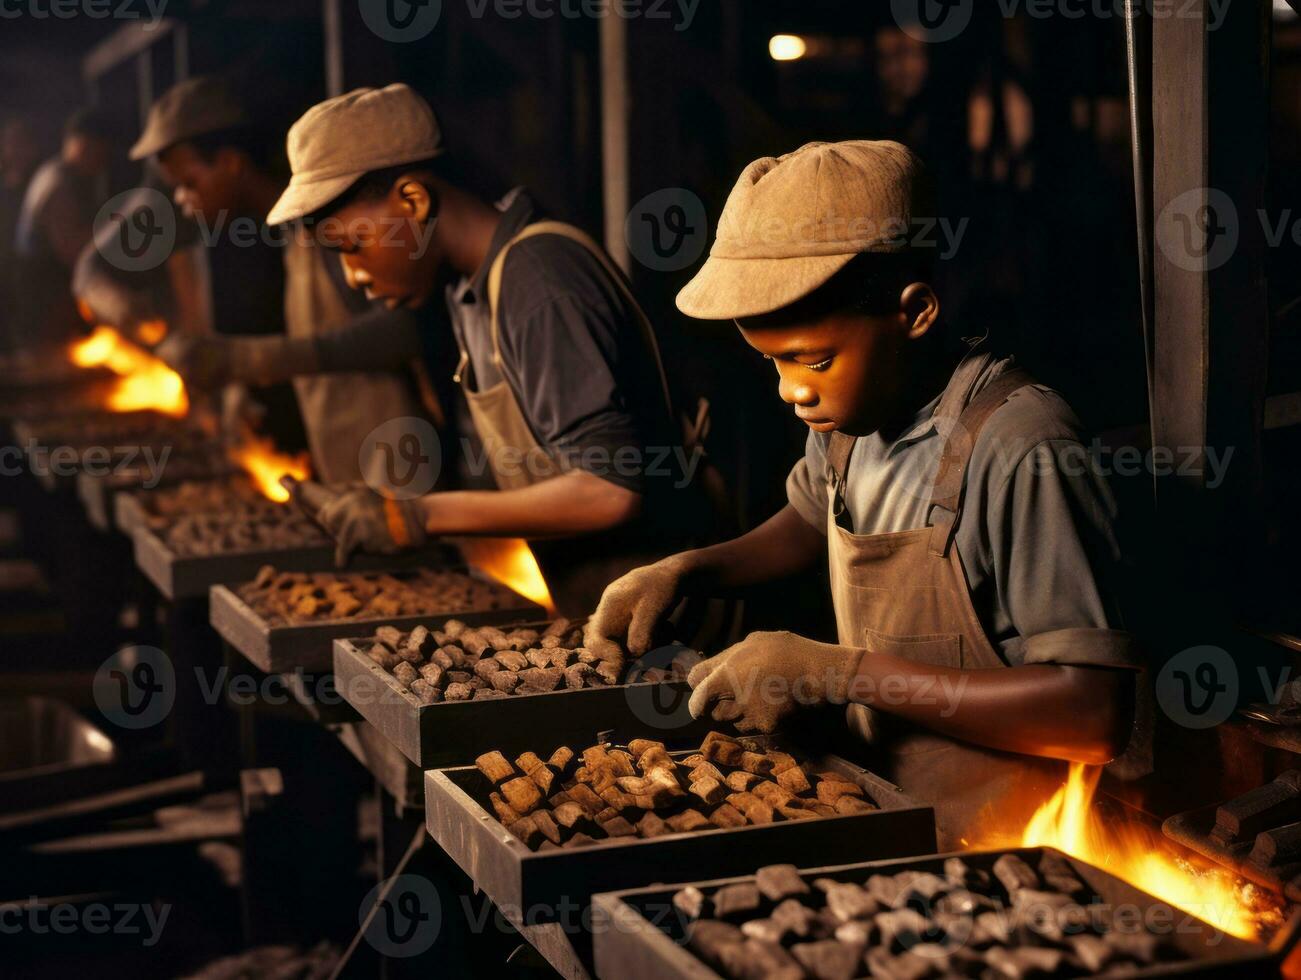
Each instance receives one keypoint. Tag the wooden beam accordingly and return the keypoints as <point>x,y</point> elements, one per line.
<point>1210,125</point>
<point>123,45</point>
<point>614,135</point>
<point>333,20</point>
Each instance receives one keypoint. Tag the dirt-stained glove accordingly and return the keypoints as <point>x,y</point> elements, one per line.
<point>766,676</point>
<point>210,360</point>
<point>359,519</point>
<point>632,606</point>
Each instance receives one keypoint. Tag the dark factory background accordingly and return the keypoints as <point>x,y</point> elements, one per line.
<point>1025,122</point>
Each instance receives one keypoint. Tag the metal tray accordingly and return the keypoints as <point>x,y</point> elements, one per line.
<point>637,936</point>
<point>400,779</point>
<point>39,438</point>
<point>453,733</point>
<point>1193,830</point>
<point>544,886</point>
<point>276,649</point>
<point>99,493</point>
<point>193,576</point>
<point>128,514</point>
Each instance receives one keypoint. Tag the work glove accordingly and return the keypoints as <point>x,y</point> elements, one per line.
<point>359,519</point>
<point>762,679</point>
<point>632,606</point>
<point>209,361</point>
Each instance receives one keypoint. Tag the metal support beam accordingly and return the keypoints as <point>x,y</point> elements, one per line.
<point>1210,133</point>
<point>332,15</point>
<point>615,107</point>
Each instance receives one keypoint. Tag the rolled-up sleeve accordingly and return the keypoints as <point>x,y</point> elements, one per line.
<point>806,486</point>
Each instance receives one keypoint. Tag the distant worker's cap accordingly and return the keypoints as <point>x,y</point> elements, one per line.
<point>338,142</point>
<point>194,108</point>
<point>793,222</point>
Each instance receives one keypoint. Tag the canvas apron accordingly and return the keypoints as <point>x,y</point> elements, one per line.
<point>340,409</point>
<point>577,570</point>
<point>905,593</point>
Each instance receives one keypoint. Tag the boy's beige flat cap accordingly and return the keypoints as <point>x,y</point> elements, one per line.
<point>793,222</point>
<point>193,108</point>
<point>339,141</point>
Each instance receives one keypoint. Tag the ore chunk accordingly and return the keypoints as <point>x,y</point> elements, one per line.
<point>734,903</point>
<point>780,881</point>
<point>829,959</point>
<point>708,938</point>
<point>692,903</point>
<point>1015,874</point>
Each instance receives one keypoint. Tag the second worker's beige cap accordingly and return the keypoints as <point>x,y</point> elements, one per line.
<point>193,108</point>
<point>793,222</point>
<point>339,141</point>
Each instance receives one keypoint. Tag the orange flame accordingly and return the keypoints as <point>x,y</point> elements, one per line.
<point>147,384</point>
<point>152,332</point>
<point>509,561</point>
<point>265,465</point>
<point>1143,857</point>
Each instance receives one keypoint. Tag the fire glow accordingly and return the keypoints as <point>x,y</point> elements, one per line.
<point>509,561</point>
<point>265,465</point>
<point>145,383</point>
<point>1141,856</point>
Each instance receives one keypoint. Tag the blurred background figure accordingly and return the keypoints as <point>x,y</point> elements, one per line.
<point>54,224</point>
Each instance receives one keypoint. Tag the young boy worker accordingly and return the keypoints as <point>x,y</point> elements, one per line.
<point>559,366</point>
<point>968,543</point>
<point>224,163</point>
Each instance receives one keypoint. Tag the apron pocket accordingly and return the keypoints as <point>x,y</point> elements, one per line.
<point>935,649</point>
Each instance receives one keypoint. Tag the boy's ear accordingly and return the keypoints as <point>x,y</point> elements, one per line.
<point>920,308</point>
<point>231,160</point>
<point>417,200</point>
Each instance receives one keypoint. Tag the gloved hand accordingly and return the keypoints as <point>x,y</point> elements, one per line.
<point>766,676</point>
<point>631,607</point>
<point>211,360</point>
<point>360,519</point>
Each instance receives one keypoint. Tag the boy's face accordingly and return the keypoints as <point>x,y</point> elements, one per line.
<point>202,186</point>
<point>841,371</point>
<point>387,245</point>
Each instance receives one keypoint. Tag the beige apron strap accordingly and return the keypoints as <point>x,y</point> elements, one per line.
<point>574,235</point>
<point>950,484</point>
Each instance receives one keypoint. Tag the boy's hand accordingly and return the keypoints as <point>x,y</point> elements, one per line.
<point>632,606</point>
<point>361,520</point>
<point>766,676</point>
